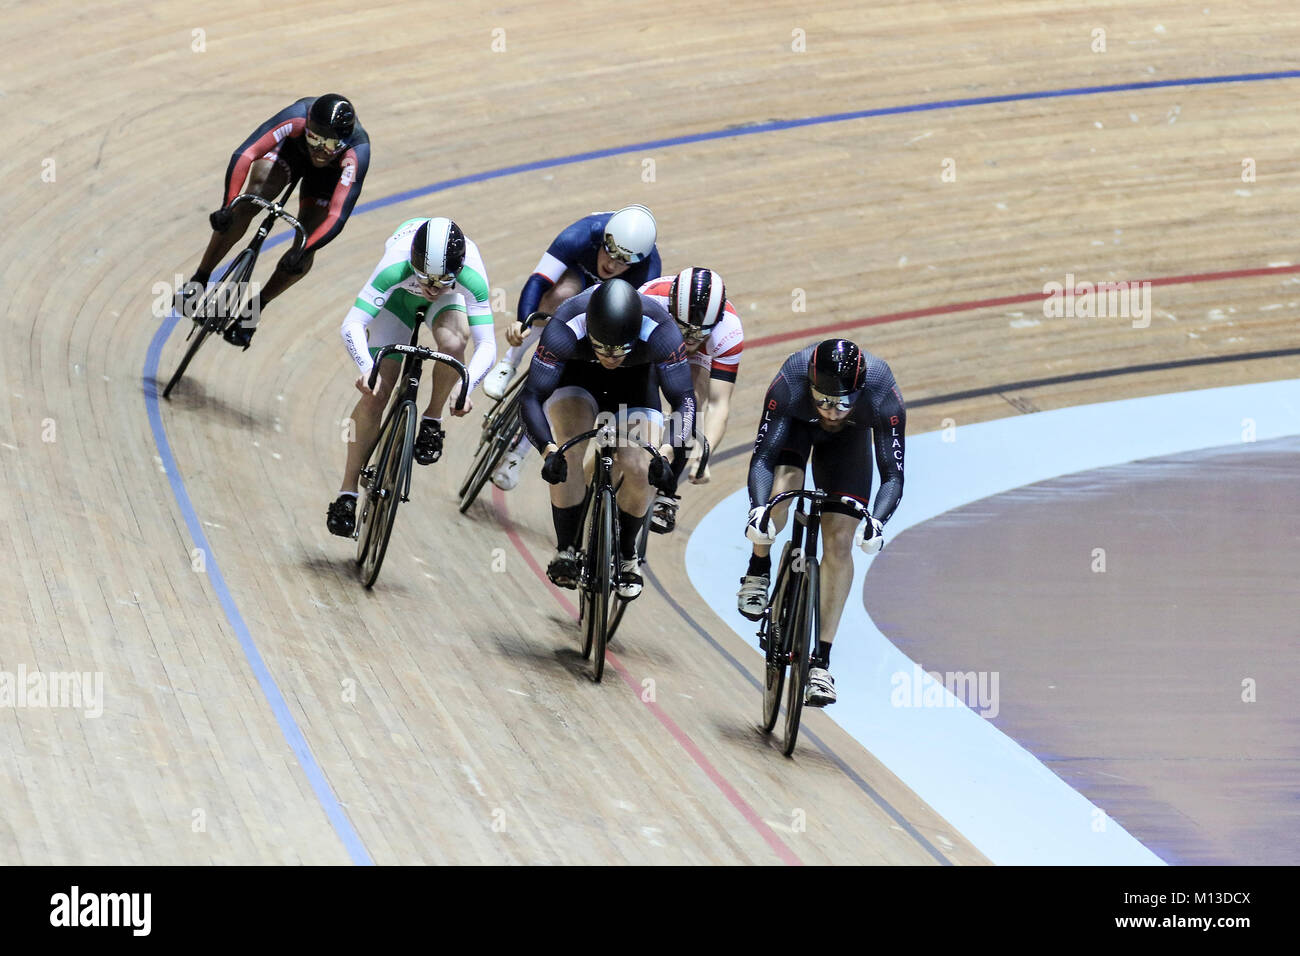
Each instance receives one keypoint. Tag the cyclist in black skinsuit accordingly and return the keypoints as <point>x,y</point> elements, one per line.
<point>596,356</point>
<point>830,402</point>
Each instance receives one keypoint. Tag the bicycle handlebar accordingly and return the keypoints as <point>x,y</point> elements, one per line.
<point>278,209</point>
<point>609,439</point>
<point>428,355</point>
<point>811,495</point>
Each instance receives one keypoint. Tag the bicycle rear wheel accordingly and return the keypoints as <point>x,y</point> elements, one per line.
<point>777,635</point>
<point>385,492</point>
<point>806,619</point>
<point>225,291</point>
<point>603,577</point>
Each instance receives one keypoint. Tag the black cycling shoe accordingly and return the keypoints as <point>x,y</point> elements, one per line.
<point>563,569</point>
<point>238,334</point>
<point>428,444</point>
<point>186,301</point>
<point>341,518</point>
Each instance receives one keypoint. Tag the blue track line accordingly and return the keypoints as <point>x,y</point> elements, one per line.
<point>288,726</point>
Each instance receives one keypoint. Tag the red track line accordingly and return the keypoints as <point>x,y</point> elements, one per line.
<point>816,330</point>
<point>787,855</point>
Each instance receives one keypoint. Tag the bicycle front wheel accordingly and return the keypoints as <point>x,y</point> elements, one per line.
<point>603,577</point>
<point>805,622</point>
<point>486,461</point>
<point>223,293</point>
<point>388,479</point>
<point>777,634</point>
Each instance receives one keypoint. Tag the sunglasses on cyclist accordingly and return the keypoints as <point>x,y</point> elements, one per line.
<point>328,144</point>
<point>841,403</point>
<point>619,255</point>
<point>610,351</point>
<point>693,333</point>
<point>441,281</point>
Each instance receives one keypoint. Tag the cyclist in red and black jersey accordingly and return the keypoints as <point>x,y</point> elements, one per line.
<point>316,139</point>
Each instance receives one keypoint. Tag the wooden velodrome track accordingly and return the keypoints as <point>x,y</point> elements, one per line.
<point>448,712</point>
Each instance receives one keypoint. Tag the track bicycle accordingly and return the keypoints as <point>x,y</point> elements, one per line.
<point>599,558</point>
<point>386,479</point>
<point>222,304</point>
<point>791,626</point>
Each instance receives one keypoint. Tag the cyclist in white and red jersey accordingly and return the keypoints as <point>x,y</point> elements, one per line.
<point>697,299</point>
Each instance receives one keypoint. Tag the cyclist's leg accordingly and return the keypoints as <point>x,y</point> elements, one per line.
<point>367,416</point>
<point>836,569</point>
<point>788,475</point>
<point>312,211</point>
<point>267,177</point>
<point>450,335</point>
<point>841,464</point>
<point>634,396</point>
<point>571,410</point>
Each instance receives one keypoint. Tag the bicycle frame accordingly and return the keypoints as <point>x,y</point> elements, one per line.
<point>276,209</point>
<point>407,387</point>
<point>797,581</point>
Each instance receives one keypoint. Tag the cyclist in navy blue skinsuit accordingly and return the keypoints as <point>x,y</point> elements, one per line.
<point>601,246</point>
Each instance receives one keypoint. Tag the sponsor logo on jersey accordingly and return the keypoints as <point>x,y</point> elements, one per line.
<point>280,132</point>
<point>348,174</point>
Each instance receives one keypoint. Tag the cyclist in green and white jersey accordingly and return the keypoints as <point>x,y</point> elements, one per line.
<point>428,264</point>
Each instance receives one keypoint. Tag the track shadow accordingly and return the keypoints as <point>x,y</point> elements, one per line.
<point>189,395</point>
<point>344,570</point>
<point>562,658</point>
<point>750,737</point>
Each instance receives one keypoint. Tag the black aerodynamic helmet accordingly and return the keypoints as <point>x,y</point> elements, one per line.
<point>332,116</point>
<point>614,316</point>
<point>837,368</point>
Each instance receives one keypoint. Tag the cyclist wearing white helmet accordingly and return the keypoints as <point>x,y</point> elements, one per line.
<point>430,265</point>
<point>697,299</point>
<point>595,248</point>
<point>604,245</point>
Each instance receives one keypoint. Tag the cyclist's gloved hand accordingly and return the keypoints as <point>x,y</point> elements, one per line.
<point>752,531</point>
<point>220,220</point>
<point>555,469</point>
<point>870,536</point>
<point>292,261</point>
<point>661,476</point>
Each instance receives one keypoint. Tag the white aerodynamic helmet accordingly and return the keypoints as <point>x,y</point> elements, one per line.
<point>630,234</point>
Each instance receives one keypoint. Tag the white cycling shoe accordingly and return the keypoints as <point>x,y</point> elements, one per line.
<point>821,687</point>
<point>498,380</point>
<point>507,474</point>
<point>629,578</point>
<point>751,601</point>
